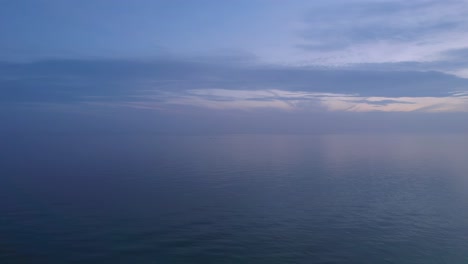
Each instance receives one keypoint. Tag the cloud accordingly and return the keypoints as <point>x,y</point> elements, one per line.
<point>354,22</point>
<point>426,33</point>
<point>310,101</point>
<point>225,83</point>
<point>401,104</point>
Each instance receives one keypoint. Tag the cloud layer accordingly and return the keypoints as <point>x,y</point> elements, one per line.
<point>226,84</point>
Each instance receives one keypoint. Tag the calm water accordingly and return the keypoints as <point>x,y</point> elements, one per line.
<point>234,199</point>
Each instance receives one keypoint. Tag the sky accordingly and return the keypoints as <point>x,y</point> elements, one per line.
<point>244,66</point>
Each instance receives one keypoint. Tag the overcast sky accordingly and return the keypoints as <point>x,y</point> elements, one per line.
<point>243,66</point>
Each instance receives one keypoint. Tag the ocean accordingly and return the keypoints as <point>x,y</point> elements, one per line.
<point>234,199</point>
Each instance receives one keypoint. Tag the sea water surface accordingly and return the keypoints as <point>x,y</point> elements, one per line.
<point>234,199</point>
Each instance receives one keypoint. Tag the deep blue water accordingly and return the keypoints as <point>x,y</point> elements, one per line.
<point>234,199</point>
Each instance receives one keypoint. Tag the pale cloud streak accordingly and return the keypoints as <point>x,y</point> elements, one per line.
<point>399,104</point>
<point>309,101</point>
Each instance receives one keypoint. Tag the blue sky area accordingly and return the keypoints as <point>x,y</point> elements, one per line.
<point>243,66</point>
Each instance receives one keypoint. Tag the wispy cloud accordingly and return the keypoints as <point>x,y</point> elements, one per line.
<point>381,32</point>
<point>229,84</point>
<point>307,101</point>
